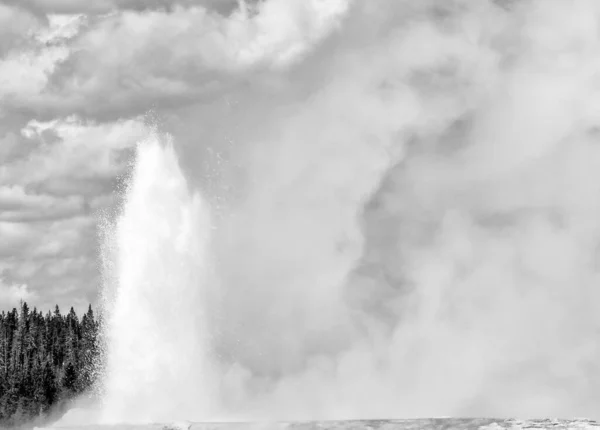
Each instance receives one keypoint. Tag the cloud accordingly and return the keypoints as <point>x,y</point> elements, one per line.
<point>71,157</point>
<point>55,175</point>
<point>183,56</point>
<point>59,176</point>
<point>16,29</point>
<point>17,206</point>
<point>24,72</point>
<point>106,6</point>
<point>11,295</point>
<point>57,257</point>
<point>14,238</point>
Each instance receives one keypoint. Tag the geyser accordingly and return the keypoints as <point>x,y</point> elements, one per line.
<point>414,231</point>
<point>158,365</point>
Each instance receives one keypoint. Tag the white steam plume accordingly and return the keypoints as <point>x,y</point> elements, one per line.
<point>413,228</point>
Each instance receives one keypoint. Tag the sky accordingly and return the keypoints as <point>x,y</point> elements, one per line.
<point>69,122</point>
<point>77,81</point>
<point>407,190</point>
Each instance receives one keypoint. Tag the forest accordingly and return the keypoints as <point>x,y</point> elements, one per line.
<point>45,362</point>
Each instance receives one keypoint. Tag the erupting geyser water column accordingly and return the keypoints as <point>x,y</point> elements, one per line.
<point>412,228</point>
<point>156,367</point>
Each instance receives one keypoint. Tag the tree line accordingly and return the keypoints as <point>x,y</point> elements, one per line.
<point>45,361</point>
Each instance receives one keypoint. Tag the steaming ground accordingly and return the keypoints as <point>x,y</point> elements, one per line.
<point>403,218</point>
<point>416,424</point>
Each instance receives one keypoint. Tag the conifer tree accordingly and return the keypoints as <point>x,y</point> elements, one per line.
<point>44,360</point>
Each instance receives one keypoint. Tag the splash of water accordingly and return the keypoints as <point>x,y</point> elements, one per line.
<point>157,367</point>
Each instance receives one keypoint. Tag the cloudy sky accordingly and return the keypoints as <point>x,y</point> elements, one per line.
<point>75,76</point>
<point>76,80</point>
<point>58,169</point>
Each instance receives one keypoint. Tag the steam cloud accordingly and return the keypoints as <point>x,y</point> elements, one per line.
<point>406,202</point>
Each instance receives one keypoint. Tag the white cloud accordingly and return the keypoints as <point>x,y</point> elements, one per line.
<point>185,55</point>
<point>11,295</point>
<point>24,71</point>
<point>73,157</point>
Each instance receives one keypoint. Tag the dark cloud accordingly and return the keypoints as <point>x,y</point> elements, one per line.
<point>18,206</point>
<point>17,27</point>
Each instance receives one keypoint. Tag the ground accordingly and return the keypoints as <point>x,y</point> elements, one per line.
<point>409,424</point>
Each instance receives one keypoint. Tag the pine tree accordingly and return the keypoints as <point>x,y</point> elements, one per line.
<point>69,381</point>
<point>72,337</point>
<point>58,338</point>
<point>88,351</point>
<point>49,387</point>
<point>44,360</point>
<point>3,354</point>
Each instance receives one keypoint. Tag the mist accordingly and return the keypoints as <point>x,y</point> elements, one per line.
<point>404,208</point>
